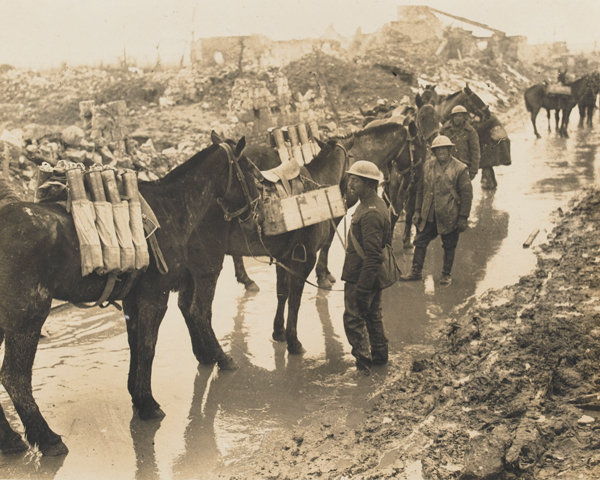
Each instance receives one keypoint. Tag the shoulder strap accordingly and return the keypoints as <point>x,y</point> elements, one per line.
<point>357,247</point>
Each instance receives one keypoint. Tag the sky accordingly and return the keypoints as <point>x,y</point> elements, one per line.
<point>46,33</point>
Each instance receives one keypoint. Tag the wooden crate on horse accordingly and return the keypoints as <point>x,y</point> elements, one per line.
<point>285,211</point>
<point>297,211</point>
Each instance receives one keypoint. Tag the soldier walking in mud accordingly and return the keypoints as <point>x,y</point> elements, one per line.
<point>443,205</point>
<point>465,139</point>
<point>370,231</point>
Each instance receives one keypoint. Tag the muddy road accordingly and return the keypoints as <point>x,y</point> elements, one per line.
<point>216,421</point>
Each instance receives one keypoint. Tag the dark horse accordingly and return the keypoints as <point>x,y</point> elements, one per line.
<point>295,253</point>
<point>40,261</point>
<point>392,146</point>
<point>537,98</point>
<point>587,104</point>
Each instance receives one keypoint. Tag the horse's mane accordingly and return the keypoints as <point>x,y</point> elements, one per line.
<point>183,170</point>
<point>453,95</point>
<point>376,129</point>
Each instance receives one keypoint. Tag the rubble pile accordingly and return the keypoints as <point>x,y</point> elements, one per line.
<point>258,105</point>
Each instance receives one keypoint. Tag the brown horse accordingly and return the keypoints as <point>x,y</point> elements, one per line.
<point>295,253</point>
<point>40,261</point>
<point>536,98</point>
<point>392,146</point>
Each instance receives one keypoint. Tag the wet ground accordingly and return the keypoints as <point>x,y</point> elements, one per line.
<point>216,420</point>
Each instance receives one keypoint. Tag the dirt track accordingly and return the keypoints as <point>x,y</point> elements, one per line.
<point>511,392</point>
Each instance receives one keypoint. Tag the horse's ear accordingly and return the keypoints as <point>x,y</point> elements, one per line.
<point>412,129</point>
<point>239,148</point>
<point>418,100</point>
<point>433,86</point>
<point>216,138</point>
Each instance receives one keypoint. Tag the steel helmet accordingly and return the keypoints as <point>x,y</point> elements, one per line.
<point>458,109</point>
<point>441,141</point>
<point>365,169</point>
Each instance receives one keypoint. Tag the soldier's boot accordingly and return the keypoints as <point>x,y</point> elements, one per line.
<point>379,354</point>
<point>417,265</point>
<point>447,268</point>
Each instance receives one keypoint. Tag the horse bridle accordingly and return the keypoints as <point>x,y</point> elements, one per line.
<point>250,203</point>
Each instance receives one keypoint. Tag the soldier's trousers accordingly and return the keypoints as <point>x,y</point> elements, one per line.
<point>365,333</point>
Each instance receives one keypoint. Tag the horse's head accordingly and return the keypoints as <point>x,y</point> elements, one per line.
<point>562,76</point>
<point>428,97</point>
<point>239,198</point>
<point>474,104</point>
<point>428,123</point>
<point>332,161</point>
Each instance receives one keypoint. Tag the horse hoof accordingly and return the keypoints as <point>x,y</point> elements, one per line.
<point>155,413</point>
<point>251,286</point>
<point>407,245</point>
<point>13,445</point>
<point>54,449</point>
<point>228,363</point>
<point>325,283</point>
<point>296,349</point>
<point>331,278</point>
<point>279,337</point>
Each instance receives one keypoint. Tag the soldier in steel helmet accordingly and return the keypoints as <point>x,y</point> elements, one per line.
<point>371,228</point>
<point>465,139</point>
<point>443,205</point>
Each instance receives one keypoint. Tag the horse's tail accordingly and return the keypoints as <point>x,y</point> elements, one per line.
<point>527,104</point>
<point>7,193</point>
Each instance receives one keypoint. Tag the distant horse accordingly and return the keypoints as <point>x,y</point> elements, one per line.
<point>40,261</point>
<point>428,97</point>
<point>537,98</point>
<point>587,104</point>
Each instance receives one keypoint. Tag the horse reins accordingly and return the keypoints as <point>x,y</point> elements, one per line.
<point>234,162</point>
<point>272,257</point>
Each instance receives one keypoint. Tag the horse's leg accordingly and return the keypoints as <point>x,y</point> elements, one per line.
<point>21,346</point>
<point>324,277</point>
<point>590,115</point>
<point>242,276</point>
<point>144,313</point>
<point>581,115</point>
<point>10,441</point>
<point>534,114</point>
<point>564,127</point>
<point>283,289</point>
<point>195,302</point>
<point>296,287</point>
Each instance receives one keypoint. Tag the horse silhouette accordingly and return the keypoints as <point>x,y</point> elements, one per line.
<point>327,168</point>
<point>40,261</point>
<point>536,98</point>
